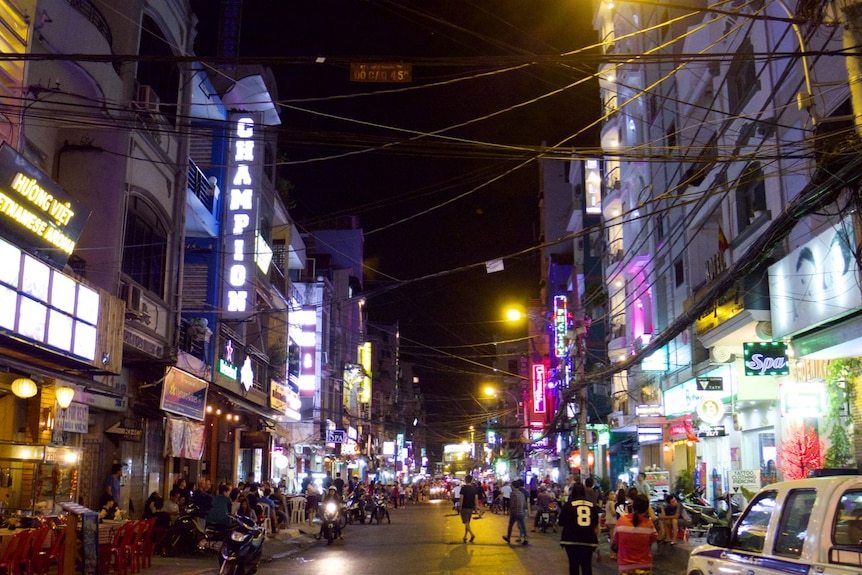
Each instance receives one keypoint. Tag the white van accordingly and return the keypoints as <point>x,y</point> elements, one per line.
<point>803,527</point>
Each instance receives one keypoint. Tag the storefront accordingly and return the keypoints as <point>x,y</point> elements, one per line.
<point>817,306</point>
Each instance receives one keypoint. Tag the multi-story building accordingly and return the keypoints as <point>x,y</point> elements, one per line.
<point>726,174</point>
<point>135,276</point>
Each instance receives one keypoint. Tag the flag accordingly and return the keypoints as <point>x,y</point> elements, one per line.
<point>722,241</point>
<point>492,266</point>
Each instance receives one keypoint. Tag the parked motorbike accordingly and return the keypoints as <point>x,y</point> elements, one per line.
<point>379,509</point>
<point>330,522</point>
<point>241,551</point>
<point>184,534</point>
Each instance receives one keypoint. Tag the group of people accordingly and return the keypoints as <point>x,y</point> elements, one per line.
<point>633,525</point>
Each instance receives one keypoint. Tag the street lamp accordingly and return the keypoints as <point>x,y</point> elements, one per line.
<point>491,391</point>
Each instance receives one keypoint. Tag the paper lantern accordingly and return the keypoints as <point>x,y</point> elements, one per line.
<point>64,394</point>
<point>24,387</point>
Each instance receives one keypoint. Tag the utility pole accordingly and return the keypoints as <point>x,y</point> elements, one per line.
<point>579,372</point>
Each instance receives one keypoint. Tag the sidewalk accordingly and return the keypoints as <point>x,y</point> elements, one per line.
<point>283,544</point>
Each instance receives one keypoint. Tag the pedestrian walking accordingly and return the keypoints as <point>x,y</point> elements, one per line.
<point>580,520</point>
<point>518,509</point>
<point>506,493</point>
<point>633,537</point>
<point>611,516</point>
<point>469,497</point>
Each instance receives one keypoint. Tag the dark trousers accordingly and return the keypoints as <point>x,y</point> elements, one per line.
<point>580,559</point>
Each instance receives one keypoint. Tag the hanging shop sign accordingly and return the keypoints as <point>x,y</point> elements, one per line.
<point>593,186</point>
<point>710,410</point>
<point>710,383</point>
<point>540,383</point>
<point>711,431</point>
<point>561,324</point>
<point>37,214</point>
<point>765,358</point>
<point>244,176</point>
<point>184,394</point>
<point>649,433</point>
<point>803,399</point>
<point>649,410</point>
<point>226,366</point>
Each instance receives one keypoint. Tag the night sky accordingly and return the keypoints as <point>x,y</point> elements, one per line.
<point>393,176</point>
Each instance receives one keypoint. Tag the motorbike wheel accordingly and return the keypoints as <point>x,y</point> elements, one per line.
<point>330,537</point>
<point>229,568</point>
<point>175,543</point>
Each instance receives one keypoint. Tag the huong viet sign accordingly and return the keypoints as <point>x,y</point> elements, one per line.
<point>766,358</point>
<point>36,214</point>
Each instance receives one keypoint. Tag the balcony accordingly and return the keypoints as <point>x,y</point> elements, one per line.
<point>617,346</point>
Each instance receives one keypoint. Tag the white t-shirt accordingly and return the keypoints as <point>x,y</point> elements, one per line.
<point>506,491</point>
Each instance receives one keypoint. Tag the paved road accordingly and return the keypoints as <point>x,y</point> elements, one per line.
<point>425,539</point>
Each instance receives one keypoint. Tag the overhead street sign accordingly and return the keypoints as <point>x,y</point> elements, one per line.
<point>384,73</point>
<point>335,436</point>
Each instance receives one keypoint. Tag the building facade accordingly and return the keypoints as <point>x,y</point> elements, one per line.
<point>725,175</point>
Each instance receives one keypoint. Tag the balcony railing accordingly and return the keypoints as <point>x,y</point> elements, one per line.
<point>91,13</point>
<point>200,186</point>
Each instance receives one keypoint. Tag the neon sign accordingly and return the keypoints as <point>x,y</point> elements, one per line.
<point>540,384</point>
<point>36,212</point>
<point>241,217</point>
<point>561,324</point>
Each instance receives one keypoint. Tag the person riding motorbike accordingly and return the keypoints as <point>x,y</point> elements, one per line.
<point>331,496</point>
<point>543,505</point>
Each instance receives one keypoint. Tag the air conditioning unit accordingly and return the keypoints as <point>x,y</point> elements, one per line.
<point>146,100</point>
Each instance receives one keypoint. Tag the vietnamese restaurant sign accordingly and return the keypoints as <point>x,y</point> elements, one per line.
<point>38,216</point>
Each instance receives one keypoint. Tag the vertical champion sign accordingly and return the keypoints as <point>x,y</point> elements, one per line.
<point>240,221</point>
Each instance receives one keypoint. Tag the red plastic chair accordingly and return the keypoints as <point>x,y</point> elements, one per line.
<point>35,545</point>
<point>135,549</point>
<point>148,545</point>
<point>13,555</point>
<point>118,559</point>
<point>52,556</point>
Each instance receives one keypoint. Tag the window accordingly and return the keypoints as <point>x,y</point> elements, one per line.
<point>741,77</point>
<point>750,195</point>
<point>678,273</point>
<point>793,526</point>
<point>751,529</point>
<point>146,246</point>
<point>847,529</point>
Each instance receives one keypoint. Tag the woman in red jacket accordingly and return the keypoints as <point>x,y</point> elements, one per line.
<point>633,536</point>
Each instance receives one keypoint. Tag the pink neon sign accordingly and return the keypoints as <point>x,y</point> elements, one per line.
<point>540,383</point>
